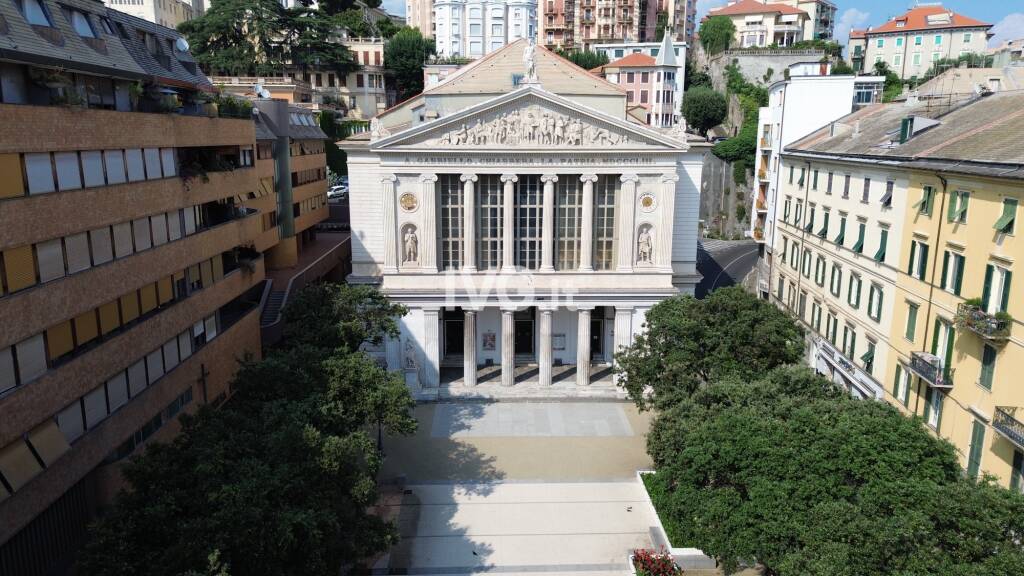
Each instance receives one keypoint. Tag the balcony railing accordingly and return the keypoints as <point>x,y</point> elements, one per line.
<point>982,323</point>
<point>761,205</point>
<point>766,143</point>
<point>762,174</point>
<point>929,367</point>
<point>1006,423</point>
<point>759,234</point>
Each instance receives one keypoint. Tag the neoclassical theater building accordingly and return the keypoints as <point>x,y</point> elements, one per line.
<point>524,218</point>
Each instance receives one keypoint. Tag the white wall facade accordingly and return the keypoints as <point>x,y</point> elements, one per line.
<point>474,28</point>
<point>636,209</point>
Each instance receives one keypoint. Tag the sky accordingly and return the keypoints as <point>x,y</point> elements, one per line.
<point>1007,16</point>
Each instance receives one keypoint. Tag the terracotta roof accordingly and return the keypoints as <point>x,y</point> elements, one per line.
<point>632,61</point>
<point>917,19</point>
<point>754,7</point>
<point>858,33</point>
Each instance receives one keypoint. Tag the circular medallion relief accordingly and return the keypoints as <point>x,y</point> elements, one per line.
<point>408,202</point>
<point>648,202</point>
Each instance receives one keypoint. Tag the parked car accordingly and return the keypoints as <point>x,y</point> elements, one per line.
<point>339,192</point>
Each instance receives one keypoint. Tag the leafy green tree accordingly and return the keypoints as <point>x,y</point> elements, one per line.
<point>716,34</point>
<point>354,20</point>
<point>841,68</point>
<point>695,78</point>
<point>893,86</point>
<point>279,480</point>
<point>789,473</point>
<point>405,53</point>
<point>585,59</point>
<point>688,342</point>
<point>386,28</point>
<point>703,108</point>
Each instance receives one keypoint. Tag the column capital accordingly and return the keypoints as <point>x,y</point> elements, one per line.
<point>389,179</point>
<point>623,309</point>
<point>588,178</point>
<point>509,178</point>
<point>545,178</point>
<point>469,178</point>
<point>428,178</point>
<point>584,308</point>
<point>629,178</point>
<point>665,178</point>
<point>546,309</point>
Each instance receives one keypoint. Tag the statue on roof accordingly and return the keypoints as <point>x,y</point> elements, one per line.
<point>529,59</point>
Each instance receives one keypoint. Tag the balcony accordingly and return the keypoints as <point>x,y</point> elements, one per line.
<point>1006,424</point>
<point>758,235</point>
<point>766,143</point>
<point>929,367</point>
<point>761,205</point>
<point>988,326</point>
<point>762,174</point>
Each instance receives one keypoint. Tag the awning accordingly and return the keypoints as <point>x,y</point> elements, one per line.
<point>868,356</point>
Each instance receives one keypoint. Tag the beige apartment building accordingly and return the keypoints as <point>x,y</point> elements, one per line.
<point>139,223</point>
<point>582,24</point>
<point>419,14</point>
<point>912,42</point>
<point>167,13</point>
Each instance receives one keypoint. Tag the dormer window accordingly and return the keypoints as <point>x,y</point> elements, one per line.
<point>80,22</point>
<point>35,13</point>
<point>901,24</point>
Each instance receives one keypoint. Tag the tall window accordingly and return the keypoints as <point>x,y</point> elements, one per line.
<point>451,203</point>
<point>528,222</point>
<point>489,218</point>
<point>604,221</point>
<point>570,211</point>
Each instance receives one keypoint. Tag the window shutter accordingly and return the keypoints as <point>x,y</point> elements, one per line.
<point>69,420</point>
<point>77,247</point>
<point>12,185</point>
<point>923,268</point>
<point>945,269</point>
<point>102,249</point>
<point>913,252</point>
<point>986,291</point>
<point>962,212</point>
<point>18,464</point>
<point>155,364</point>
<point>948,361</point>
<point>206,271</point>
<point>165,291</point>
<point>85,327</point>
<point>109,317</point>
<point>7,379</point>
<point>58,340</point>
<point>959,280</point>
<point>20,267</point>
<point>96,406</point>
<point>1005,301</point>
<point>896,382</point>
<point>92,168</point>
<point>988,359</point>
<point>130,307</point>
<point>50,255</point>
<point>951,209</point>
<point>158,224</point>
<point>935,337</point>
<point>123,240</point>
<point>137,378</point>
<point>928,403</point>
<point>142,234</point>
<point>69,177</point>
<point>147,296</point>
<point>117,390</point>
<point>39,169</point>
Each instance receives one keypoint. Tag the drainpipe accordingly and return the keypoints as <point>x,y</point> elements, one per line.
<point>931,279</point>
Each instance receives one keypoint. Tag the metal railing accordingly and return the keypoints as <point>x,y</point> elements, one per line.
<point>982,323</point>
<point>1006,423</point>
<point>929,367</point>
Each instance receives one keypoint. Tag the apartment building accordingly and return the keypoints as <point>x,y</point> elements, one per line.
<point>167,13</point>
<point>899,233</point>
<point>808,99</point>
<point>760,24</point>
<point>472,28</point>
<point>911,42</point>
<point>136,217</point>
<point>582,24</point>
<point>652,83</point>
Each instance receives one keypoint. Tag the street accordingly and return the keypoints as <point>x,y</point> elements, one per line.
<point>724,263</point>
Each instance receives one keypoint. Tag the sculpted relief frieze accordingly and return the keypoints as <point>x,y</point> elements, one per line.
<point>529,127</point>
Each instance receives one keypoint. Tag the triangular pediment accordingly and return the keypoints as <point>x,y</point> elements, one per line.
<point>527,119</point>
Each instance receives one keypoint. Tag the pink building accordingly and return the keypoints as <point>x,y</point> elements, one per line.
<point>650,84</point>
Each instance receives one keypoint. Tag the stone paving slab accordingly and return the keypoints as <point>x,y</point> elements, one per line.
<point>533,419</point>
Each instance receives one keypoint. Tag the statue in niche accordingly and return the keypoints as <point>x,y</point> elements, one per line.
<point>409,356</point>
<point>645,246</point>
<point>411,243</point>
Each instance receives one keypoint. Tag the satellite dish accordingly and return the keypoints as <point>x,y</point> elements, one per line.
<point>181,44</point>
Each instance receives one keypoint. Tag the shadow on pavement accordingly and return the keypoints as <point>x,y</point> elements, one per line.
<point>434,472</point>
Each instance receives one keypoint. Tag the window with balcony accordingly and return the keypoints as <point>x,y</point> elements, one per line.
<point>942,346</point>
<point>995,295</point>
<point>952,272</point>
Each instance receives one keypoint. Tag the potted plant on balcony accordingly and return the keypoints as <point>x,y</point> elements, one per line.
<point>52,78</point>
<point>648,562</point>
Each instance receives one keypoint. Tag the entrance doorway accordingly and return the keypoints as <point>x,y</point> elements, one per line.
<point>523,334</point>
<point>454,334</point>
<point>597,334</point>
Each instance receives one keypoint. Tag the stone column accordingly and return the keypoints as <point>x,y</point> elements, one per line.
<point>547,243</point>
<point>623,329</point>
<point>583,347</point>
<point>508,219</point>
<point>667,204</point>
<point>431,347</point>
<point>626,217</point>
<point>469,347</point>
<point>508,347</point>
<point>544,360</point>
<point>428,233</point>
<point>587,224</point>
<point>390,228</point>
<point>469,218</point>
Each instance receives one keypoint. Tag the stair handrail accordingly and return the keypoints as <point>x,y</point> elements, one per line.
<point>288,290</point>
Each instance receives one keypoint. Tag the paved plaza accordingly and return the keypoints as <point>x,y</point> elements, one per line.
<point>519,488</point>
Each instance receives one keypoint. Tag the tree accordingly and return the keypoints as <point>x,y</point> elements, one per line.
<point>386,27</point>
<point>586,59</point>
<point>790,473</point>
<point>703,108</point>
<point>688,342</point>
<point>716,34</point>
<point>695,78</point>
<point>405,53</point>
<point>841,68</point>
<point>354,20</point>
<point>280,480</point>
<point>893,86</point>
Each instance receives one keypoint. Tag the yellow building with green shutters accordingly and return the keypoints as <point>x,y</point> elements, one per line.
<point>948,345</point>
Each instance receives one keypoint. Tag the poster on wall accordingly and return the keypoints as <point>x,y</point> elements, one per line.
<point>558,341</point>
<point>489,340</point>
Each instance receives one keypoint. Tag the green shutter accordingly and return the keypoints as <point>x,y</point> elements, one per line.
<point>986,292</point>
<point>896,382</point>
<point>961,214</point>
<point>1005,301</point>
<point>878,303</point>
<point>859,246</point>
<point>1005,222</point>
<point>882,241</point>
<point>911,322</point>
<point>868,356</point>
<point>935,337</point>
<point>1017,474</point>
<point>958,282</point>
<point>928,403</point>
<point>977,443</point>
<point>913,252</point>
<point>988,364</point>
<point>947,364</point>
<point>945,269</point>
<point>924,261</point>
<point>824,227</point>
<point>951,209</point>
<point>842,232</point>
<point>930,204</point>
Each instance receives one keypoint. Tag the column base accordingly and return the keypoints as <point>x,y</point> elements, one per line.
<point>546,269</point>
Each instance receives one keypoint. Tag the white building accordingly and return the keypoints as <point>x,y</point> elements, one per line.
<point>525,223</point>
<point>796,107</point>
<point>473,28</point>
